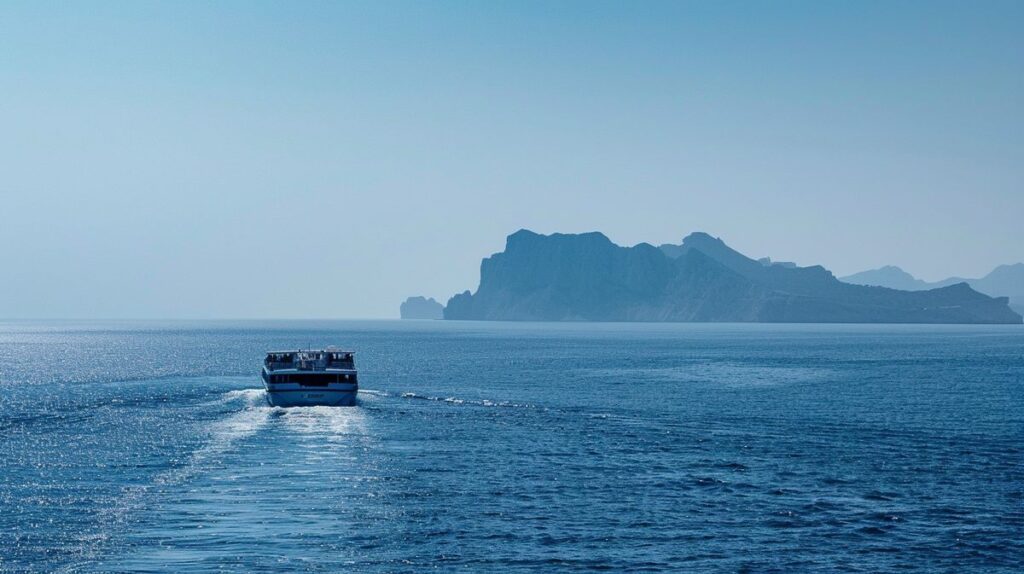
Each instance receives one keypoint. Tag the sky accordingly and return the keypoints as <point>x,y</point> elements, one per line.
<point>327,160</point>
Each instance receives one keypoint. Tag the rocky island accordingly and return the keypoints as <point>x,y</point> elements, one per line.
<point>421,308</point>
<point>586,277</point>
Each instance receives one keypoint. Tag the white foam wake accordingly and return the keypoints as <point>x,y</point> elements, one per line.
<point>326,423</point>
<point>458,401</point>
<point>223,434</point>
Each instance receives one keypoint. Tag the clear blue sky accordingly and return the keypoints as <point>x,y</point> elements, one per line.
<point>302,159</point>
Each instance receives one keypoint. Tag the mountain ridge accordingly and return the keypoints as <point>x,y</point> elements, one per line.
<point>586,277</point>
<point>1004,281</point>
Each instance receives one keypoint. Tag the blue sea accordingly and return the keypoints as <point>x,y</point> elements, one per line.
<point>484,447</point>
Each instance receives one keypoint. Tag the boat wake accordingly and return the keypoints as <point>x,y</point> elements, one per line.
<point>449,400</point>
<point>332,424</point>
<point>223,435</point>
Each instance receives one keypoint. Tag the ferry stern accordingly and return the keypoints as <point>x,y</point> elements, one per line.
<point>325,377</point>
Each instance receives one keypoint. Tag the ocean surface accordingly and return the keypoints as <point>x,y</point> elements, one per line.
<point>482,447</point>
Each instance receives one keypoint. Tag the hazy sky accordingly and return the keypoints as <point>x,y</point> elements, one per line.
<point>301,159</point>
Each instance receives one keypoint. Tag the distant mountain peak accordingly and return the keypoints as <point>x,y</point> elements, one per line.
<point>526,235</point>
<point>523,233</point>
<point>704,242</point>
<point>1008,268</point>
<point>702,236</point>
<point>1003,281</point>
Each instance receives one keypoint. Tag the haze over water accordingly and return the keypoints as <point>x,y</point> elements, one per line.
<point>197,159</point>
<point>484,447</point>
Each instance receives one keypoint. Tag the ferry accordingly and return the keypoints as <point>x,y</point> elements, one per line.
<point>325,377</point>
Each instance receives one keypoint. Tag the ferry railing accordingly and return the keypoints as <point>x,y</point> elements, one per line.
<point>311,365</point>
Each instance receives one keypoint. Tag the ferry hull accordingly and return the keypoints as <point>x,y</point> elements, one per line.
<point>327,397</point>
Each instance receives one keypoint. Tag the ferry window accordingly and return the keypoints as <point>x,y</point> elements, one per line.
<point>312,379</point>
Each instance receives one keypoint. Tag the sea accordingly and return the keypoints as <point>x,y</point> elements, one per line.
<point>514,447</point>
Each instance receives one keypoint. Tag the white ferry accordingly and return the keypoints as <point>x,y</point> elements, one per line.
<point>310,378</point>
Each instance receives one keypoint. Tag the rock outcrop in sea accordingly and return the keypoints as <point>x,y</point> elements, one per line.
<point>421,308</point>
<point>586,277</point>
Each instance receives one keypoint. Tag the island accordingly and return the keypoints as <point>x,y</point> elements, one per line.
<point>421,308</point>
<point>586,277</point>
